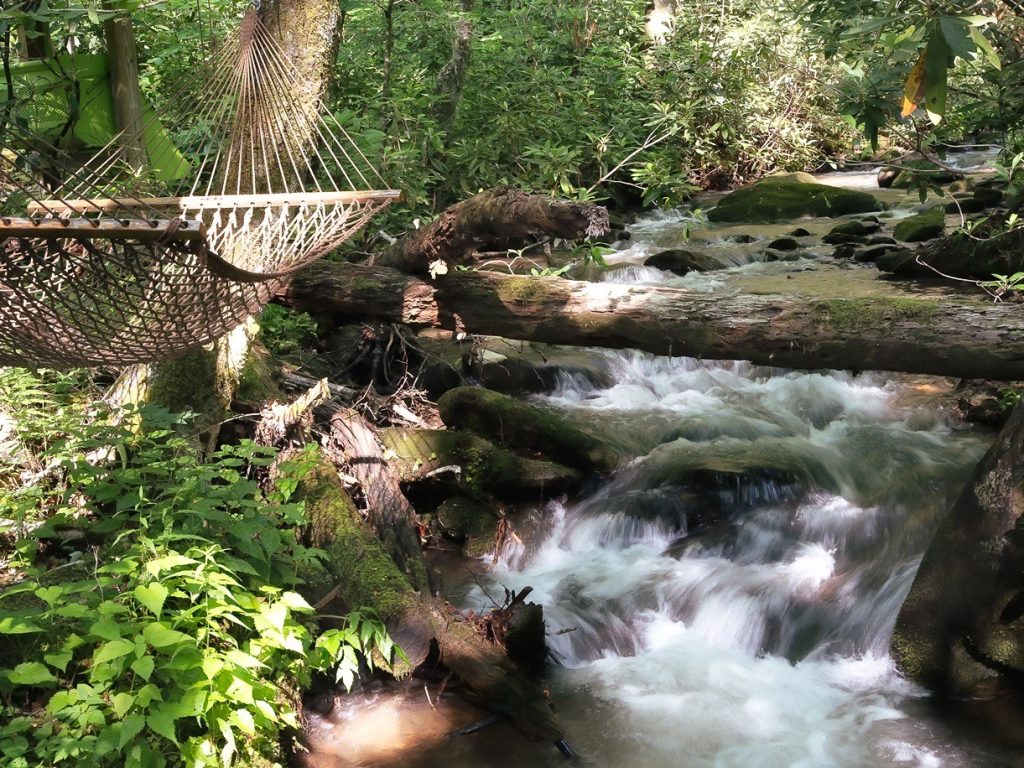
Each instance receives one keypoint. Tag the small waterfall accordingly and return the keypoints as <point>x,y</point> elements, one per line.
<point>726,599</point>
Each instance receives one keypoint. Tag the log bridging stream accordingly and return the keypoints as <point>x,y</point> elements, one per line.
<point>959,337</point>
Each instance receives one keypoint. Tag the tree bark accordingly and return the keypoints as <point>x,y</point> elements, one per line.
<point>452,78</point>
<point>499,214</point>
<point>945,337</point>
<point>354,442</point>
<point>962,621</point>
<point>124,86</point>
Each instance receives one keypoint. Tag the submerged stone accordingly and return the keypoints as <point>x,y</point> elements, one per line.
<point>785,244</point>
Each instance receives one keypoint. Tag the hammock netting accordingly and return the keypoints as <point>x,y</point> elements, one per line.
<point>257,183</point>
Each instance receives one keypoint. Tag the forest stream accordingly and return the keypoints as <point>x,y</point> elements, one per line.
<point>695,619</point>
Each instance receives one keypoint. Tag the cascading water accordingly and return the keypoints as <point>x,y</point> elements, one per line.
<point>726,598</point>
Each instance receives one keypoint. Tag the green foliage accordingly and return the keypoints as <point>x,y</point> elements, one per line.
<point>176,637</point>
<point>286,331</point>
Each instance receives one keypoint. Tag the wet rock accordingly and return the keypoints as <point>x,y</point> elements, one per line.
<point>871,254</point>
<point>860,227</point>
<point>886,176</point>
<point>965,205</point>
<point>881,240</point>
<point>470,521</point>
<point>918,170</point>
<point>773,256</point>
<point>521,426</point>
<point>844,252</point>
<point>681,261</point>
<point>780,197</point>
<point>961,256</point>
<point>799,232</point>
<point>741,239</point>
<point>785,244</point>
<point>988,196</point>
<point>843,239</point>
<point>920,227</point>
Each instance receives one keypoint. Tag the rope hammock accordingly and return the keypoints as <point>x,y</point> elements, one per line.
<point>259,182</point>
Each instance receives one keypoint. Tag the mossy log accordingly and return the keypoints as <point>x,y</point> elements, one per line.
<point>484,468</point>
<point>495,216</point>
<point>963,620</point>
<point>521,426</point>
<point>361,570</point>
<point>964,337</point>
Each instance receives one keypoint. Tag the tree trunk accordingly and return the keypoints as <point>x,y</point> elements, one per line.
<point>502,213</point>
<point>962,621</point>
<point>307,31</point>
<point>452,77</point>
<point>944,337</point>
<point>124,86</point>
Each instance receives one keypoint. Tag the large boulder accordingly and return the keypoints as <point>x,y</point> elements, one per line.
<point>682,261</point>
<point>921,226</point>
<point>914,171</point>
<point>963,620</point>
<point>787,197</point>
<point>520,426</point>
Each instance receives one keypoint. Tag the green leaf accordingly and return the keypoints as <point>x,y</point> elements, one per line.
<point>958,37</point>
<point>106,628</point>
<point>14,625</point>
<point>49,595</point>
<point>58,660</point>
<point>31,673</point>
<point>244,720</point>
<point>143,667</point>
<point>130,729</point>
<point>159,635</point>
<point>987,51</point>
<point>161,564</point>
<point>152,597</point>
<point>161,721</point>
<point>122,702</point>
<point>935,70</point>
<point>114,649</point>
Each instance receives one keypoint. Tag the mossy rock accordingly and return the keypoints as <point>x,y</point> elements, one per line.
<point>776,198</point>
<point>486,469</point>
<point>472,521</point>
<point>961,256</point>
<point>872,253</point>
<point>682,261</point>
<point>520,426</point>
<point>921,226</point>
<point>966,205</point>
<point>989,196</point>
<point>855,227</point>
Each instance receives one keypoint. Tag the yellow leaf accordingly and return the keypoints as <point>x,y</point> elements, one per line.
<point>913,91</point>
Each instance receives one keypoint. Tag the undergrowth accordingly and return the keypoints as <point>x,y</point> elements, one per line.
<point>150,615</point>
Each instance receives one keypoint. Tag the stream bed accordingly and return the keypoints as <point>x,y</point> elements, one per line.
<point>704,617</point>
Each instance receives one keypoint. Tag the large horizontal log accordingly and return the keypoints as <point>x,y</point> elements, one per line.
<point>960,337</point>
<point>497,215</point>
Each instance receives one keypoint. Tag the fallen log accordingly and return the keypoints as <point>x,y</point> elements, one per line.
<point>962,337</point>
<point>497,215</point>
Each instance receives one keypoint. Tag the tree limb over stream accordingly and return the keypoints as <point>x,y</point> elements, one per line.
<point>958,337</point>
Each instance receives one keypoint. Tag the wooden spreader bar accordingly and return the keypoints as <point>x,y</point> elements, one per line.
<point>148,230</point>
<point>224,202</point>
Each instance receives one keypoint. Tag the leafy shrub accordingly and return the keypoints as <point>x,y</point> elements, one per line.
<point>177,637</point>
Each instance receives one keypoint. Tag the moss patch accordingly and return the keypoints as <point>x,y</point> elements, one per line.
<point>858,314</point>
<point>776,198</point>
<point>522,290</point>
